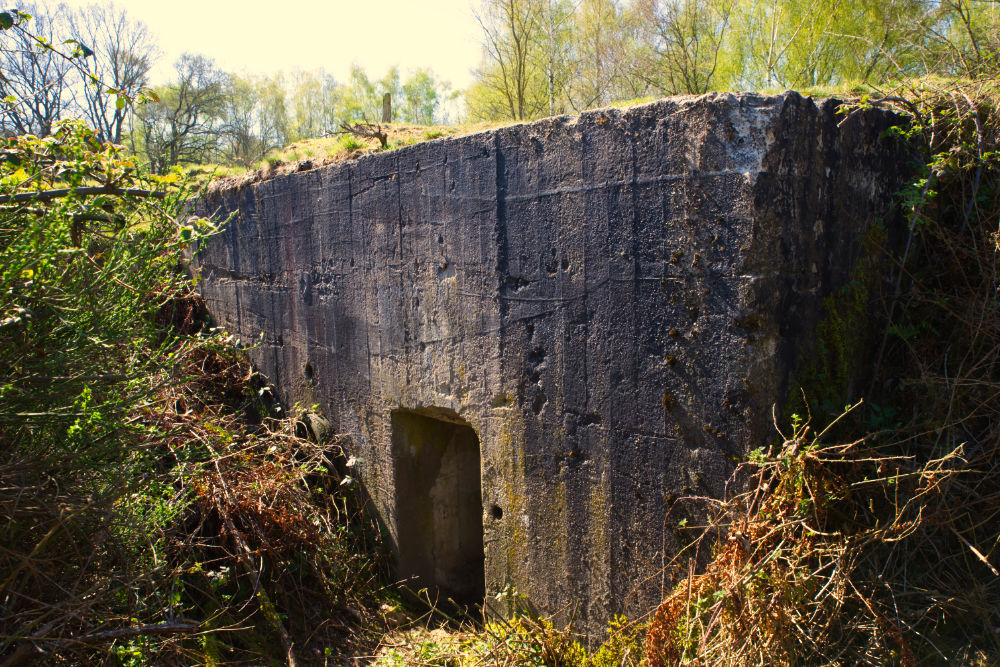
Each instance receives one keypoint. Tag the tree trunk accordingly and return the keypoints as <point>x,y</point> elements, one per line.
<point>387,108</point>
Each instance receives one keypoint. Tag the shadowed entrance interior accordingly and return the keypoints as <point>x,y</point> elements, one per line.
<point>439,510</point>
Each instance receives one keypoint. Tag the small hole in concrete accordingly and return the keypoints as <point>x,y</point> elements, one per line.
<point>439,507</point>
<point>496,512</point>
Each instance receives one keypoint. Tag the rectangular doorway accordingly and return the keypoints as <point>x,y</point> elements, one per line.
<point>439,507</point>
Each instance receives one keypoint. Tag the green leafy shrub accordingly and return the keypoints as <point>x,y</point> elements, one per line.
<point>147,493</point>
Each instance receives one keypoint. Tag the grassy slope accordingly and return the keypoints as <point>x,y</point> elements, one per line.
<point>335,148</point>
<point>332,149</point>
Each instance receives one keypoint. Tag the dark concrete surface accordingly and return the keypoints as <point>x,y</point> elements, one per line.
<point>612,302</point>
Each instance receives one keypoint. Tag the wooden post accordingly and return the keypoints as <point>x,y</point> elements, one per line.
<point>387,108</point>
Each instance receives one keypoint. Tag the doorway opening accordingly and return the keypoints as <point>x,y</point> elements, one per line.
<point>439,507</point>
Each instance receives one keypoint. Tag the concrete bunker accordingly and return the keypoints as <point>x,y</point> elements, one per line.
<point>439,508</point>
<point>614,301</point>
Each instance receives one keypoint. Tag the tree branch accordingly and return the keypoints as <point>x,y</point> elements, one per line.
<point>65,192</point>
<point>137,631</point>
<point>366,130</point>
<point>28,650</point>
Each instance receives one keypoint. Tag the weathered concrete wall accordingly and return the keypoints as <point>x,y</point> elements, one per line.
<point>612,301</point>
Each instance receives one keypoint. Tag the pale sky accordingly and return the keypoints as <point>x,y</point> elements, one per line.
<point>263,37</point>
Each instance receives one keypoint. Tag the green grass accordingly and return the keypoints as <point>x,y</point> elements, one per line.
<point>337,145</point>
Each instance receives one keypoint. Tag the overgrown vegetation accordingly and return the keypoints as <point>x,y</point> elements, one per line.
<point>153,505</point>
<point>156,506</point>
<point>525,640</point>
<point>876,540</point>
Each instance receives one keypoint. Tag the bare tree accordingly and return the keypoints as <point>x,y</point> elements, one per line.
<point>123,54</point>
<point>557,27</point>
<point>511,30</point>
<point>180,126</point>
<point>685,40</point>
<point>961,37</point>
<point>313,100</point>
<point>253,118</point>
<point>33,78</point>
